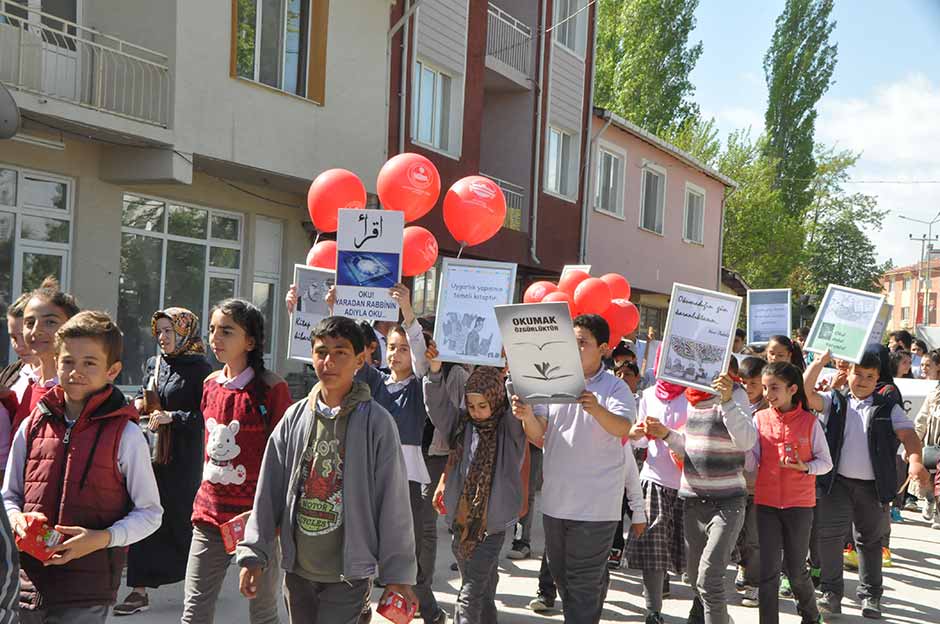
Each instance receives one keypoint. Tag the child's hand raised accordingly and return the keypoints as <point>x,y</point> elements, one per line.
<point>330,298</point>
<point>82,542</point>
<point>290,299</point>
<point>521,409</point>
<point>724,386</point>
<point>433,356</point>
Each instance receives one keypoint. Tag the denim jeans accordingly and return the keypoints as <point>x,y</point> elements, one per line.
<point>428,603</point>
<point>785,531</point>
<point>711,530</point>
<point>535,484</point>
<point>325,603</point>
<point>577,554</point>
<point>476,599</point>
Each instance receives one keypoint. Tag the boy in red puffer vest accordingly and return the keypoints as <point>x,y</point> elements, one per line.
<point>80,464</point>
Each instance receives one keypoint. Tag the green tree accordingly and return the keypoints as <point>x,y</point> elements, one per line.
<point>643,59</point>
<point>697,137</point>
<point>798,68</point>
<point>840,253</point>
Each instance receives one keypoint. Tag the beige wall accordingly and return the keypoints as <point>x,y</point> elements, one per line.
<point>96,225</point>
<point>649,261</point>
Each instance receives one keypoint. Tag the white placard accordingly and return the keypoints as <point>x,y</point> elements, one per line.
<point>699,333</point>
<point>768,314</point>
<point>844,322</point>
<point>465,328</point>
<point>312,287</point>
<point>368,263</point>
<point>543,354</point>
<point>576,267</point>
<point>914,392</point>
<point>878,331</point>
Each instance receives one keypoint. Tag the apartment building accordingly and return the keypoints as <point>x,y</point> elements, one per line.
<point>502,89</point>
<point>167,147</point>
<point>905,289</point>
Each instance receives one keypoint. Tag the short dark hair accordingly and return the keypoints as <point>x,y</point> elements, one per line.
<point>904,337</point>
<point>17,308</point>
<point>632,367</point>
<point>740,333</point>
<point>920,343</point>
<point>51,292</point>
<point>733,367</point>
<point>96,325</point>
<point>870,360</point>
<point>621,350</point>
<point>595,324</point>
<point>752,367</point>
<point>340,327</point>
<point>368,334</point>
<point>803,332</point>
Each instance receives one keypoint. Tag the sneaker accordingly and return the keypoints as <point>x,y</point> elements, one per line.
<point>667,591</point>
<point>739,582</point>
<point>134,603</point>
<point>928,510</point>
<point>453,567</point>
<point>815,575</point>
<point>911,505</point>
<point>785,591</point>
<point>886,557</point>
<point>520,550</point>
<point>749,599</point>
<point>654,617</point>
<point>936,522</point>
<point>829,603</point>
<point>871,608</point>
<point>850,558</point>
<point>896,515</point>
<point>685,578</point>
<point>541,604</point>
<point>613,560</point>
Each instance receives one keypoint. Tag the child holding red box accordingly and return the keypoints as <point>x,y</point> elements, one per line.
<point>79,464</point>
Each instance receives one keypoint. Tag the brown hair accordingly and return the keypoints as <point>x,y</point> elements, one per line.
<point>18,307</point>
<point>93,324</point>
<point>51,291</point>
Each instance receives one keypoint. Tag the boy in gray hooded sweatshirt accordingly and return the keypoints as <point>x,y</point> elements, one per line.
<point>333,483</point>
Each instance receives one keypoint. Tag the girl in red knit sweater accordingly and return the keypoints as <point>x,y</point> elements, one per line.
<point>241,405</point>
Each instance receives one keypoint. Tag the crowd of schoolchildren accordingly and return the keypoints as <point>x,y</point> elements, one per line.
<point>774,468</point>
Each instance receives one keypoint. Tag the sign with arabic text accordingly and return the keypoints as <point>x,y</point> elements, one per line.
<point>368,263</point>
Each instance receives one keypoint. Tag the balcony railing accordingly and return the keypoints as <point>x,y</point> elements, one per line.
<point>515,202</point>
<point>58,59</point>
<point>509,40</point>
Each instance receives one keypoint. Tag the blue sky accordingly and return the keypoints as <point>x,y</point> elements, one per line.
<point>885,102</point>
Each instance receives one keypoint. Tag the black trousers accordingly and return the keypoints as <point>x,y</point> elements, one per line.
<point>785,531</point>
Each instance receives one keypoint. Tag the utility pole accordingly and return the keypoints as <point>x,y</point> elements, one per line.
<point>924,239</point>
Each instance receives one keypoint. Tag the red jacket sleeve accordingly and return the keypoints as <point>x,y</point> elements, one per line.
<point>279,400</point>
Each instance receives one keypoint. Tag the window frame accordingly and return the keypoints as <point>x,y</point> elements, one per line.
<point>693,189</point>
<point>22,246</point>
<point>574,27</point>
<point>564,171</point>
<point>272,278</point>
<point>659,170</point>
<point>208,243</point>
<point>437,108</point>
<point>609,149</point>
<point>314,59</point>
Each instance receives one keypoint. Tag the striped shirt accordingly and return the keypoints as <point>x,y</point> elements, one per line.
<point>9,574</point>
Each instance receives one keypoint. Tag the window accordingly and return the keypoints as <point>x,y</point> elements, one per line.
<point>35,235</point>
<point>424,292</point>
<point>266,285</point>
<point>570,24</point>
<point>907,283</point>
<point>905,315</point>
<point>558,162</point>
<point>652,199</point>
<point>608,196</point>
<point>431,108</point>
<point>282,44</point>
<point>693,230</point>
<point>171,255</point>
<point>652,317</point>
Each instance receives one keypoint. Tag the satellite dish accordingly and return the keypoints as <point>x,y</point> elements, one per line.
<point>9,114</point>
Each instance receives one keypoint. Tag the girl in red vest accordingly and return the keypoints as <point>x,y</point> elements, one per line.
<point>791,450</point>
<point>241,404</point>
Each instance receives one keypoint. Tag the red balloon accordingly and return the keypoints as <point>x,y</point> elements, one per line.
<point>474,210</point>
<point>619,286</point>
<point>323,255</point>
<point>632,314</point>
<point>537,291</point>
<point>592,296</point>
<point>419,251</point>
<point>570,280</point>
<point>618,319</point>
<point>560,296</point>
<point>331,190</point>
<point>409,183</point>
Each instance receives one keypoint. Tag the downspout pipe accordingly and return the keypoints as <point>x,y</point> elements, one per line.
<point>537,162</point>
<point>403,22</point>
<point>586,175</point>
<point>721,236</point>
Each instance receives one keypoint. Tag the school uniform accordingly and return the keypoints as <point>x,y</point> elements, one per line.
<point>861,437</point>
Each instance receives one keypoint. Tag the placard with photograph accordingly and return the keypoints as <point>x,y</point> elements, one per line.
<point>543,354</point>
<point>368,263</point>
<point>844,322</point>
<point>466,330</point>
<point>881,325</point>
<point>699,334</point>
<point>768,314</point>
<point>312,287</point>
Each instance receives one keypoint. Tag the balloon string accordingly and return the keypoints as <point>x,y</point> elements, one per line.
<point>460,251</point>
<point>317,239</point>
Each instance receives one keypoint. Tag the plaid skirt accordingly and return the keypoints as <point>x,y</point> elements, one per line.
<point>662,546</point>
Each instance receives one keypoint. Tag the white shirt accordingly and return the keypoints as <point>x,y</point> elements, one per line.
<point>134,464</point>
<point>238,382</point>
<point>19,386</point>
<point>584,466</point>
